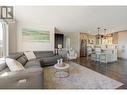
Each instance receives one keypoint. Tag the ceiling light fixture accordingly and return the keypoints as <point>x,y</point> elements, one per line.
<point>98,34</point>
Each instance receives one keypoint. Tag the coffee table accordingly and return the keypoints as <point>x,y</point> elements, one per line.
<point>61,72</point>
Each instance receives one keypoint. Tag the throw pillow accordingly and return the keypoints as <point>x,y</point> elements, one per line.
<point>22,60</point>
<point>30,55</point>
<point>14,65</point>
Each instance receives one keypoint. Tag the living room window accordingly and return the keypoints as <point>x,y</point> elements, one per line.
<point>3,39</point>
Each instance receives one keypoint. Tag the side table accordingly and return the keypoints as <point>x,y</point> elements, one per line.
<point>61,72</point>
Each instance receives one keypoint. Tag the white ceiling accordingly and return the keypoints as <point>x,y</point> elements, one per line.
<point>75,19</point>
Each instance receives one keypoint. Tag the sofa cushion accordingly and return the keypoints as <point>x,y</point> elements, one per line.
<point>14,65</point>
<point>49,60</point>
<point>40,54</point>
<point>4,71</point>
<point>32,63</point>
<point>2,65</point>
<point>22,60</point>
<point>15,55</point>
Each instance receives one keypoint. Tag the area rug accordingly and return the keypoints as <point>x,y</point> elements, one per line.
<point>80,78</point>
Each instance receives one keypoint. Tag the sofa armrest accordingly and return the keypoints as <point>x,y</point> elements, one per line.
<point>28,78</point>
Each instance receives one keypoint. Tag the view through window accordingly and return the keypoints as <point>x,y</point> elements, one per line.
<point>1,40</point>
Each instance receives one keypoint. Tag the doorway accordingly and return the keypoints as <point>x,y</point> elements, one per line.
<point>83,44</point>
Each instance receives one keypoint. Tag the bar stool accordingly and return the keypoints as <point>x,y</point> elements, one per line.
<point>89,52</point>
<point>96,55</point>
<point>93,57</point>
<point>103,57</point>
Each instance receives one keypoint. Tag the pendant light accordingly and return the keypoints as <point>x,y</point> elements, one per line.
<point>98,35</point>
<point>105,33</point>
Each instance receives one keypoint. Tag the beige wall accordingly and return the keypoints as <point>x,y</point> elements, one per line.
<point>1,53</point>
<point>12,38</point>
<point>115,38</point>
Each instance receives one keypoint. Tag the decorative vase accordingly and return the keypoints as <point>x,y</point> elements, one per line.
<point>58,62</point>
<point>61,60</point>
<point>62,63</point>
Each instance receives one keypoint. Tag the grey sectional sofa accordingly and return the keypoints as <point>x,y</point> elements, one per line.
<point>46,58</point>
<point>32,77</point>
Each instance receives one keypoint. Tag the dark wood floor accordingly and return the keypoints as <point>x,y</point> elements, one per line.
<point>116,70</point>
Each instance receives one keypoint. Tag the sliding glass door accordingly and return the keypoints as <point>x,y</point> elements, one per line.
<point>3,39</point>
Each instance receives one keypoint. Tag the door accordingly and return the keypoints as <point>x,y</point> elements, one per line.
<point>83,44</point>
<point>59,40</point>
